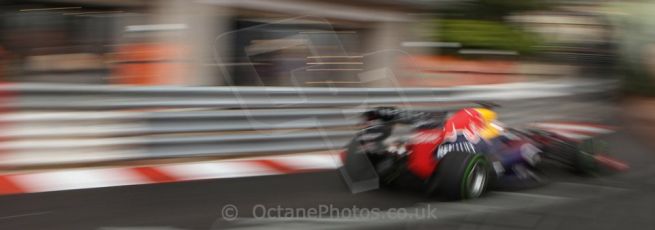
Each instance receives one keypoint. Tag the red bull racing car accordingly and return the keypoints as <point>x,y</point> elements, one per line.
<point>461,155</point>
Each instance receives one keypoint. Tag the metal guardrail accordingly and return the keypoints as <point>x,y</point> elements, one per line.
<point>54,124</point>
<point>56,97</point>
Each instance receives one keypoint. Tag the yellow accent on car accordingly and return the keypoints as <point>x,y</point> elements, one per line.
<point>488,131</point>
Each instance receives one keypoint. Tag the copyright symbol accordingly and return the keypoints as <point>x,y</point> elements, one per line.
<point>229,212</point>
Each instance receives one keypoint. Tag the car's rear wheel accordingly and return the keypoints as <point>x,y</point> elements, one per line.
<point>579,156</point>
<point>460,175</point>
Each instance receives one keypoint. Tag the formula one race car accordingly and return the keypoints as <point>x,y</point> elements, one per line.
<point>461,155</point>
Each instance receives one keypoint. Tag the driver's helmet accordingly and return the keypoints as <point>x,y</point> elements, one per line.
<point>488,130</point>
<point>487,115</point>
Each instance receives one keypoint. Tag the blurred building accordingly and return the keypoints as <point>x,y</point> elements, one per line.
<point>205,42</point>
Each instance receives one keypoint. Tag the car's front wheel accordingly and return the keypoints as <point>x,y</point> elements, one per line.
<point>461,175</point>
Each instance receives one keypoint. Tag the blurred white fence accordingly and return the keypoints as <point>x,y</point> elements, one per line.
<point>45,124</point>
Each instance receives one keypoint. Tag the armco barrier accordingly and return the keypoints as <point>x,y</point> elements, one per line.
<point>78,97</point>
<point>59,124</point>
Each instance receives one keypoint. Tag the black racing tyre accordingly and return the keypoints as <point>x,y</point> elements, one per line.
<point>585,161</point>
<point>460,175</point>
<point>580,157</point>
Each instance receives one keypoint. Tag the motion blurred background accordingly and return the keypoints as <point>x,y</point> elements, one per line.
<point>322,43</point>
<point>78,48</point>
<point>104,83</point>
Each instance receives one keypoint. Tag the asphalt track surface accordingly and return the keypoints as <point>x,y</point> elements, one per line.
<point>622,201</point>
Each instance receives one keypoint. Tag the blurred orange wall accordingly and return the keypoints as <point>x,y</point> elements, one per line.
<point>151,64</point>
